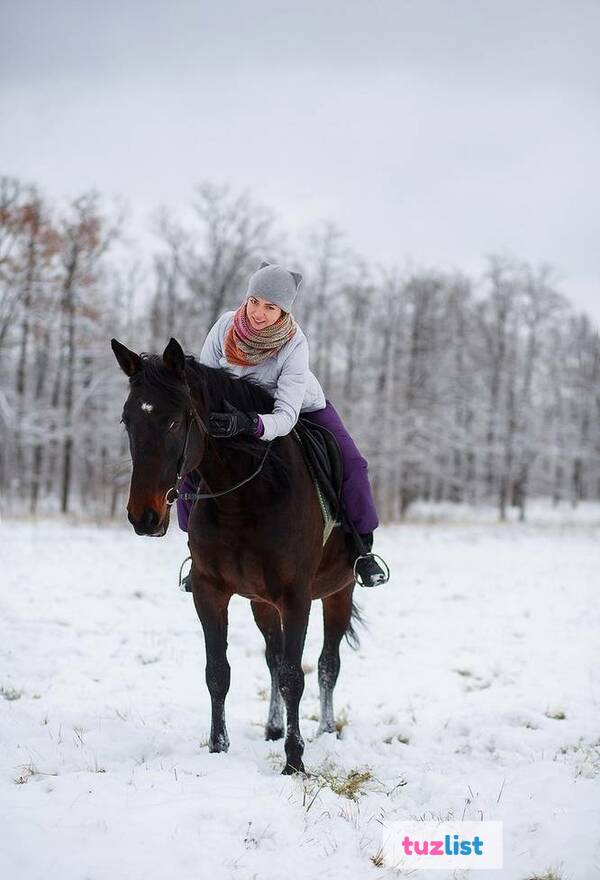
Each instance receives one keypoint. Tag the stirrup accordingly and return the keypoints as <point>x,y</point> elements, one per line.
<point>182,586</point>
<point>386,570</point>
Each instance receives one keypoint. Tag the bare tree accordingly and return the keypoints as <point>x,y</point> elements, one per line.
<point>86,236</point>
<point>454,390</point>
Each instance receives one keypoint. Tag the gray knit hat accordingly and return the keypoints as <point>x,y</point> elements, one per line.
<point>275,284</point>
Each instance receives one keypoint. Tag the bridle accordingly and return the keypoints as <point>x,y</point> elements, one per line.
<point>173,493</point>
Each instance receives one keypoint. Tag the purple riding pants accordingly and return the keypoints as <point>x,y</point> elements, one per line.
<point>356,489</point>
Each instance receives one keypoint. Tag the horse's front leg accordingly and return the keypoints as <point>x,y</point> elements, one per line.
<point>294,617</point>
<point>211,606</point>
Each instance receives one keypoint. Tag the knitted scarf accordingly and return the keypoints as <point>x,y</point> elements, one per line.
<point>246,346</point>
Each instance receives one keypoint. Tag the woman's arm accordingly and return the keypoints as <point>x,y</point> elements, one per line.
<point>212,350</point>
<point>289,394</point>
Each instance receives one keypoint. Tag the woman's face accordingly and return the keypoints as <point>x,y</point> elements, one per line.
<point>261,313</point>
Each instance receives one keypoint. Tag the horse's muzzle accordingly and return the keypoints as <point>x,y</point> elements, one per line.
<point>149,523</point>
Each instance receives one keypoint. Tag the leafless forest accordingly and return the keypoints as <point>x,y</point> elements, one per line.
<point>456,388</point>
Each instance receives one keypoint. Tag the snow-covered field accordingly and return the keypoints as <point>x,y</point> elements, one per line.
<point>475,693</point>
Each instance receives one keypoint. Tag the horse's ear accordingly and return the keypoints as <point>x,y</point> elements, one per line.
<point>263,264</point>
<point>129,361</point>
<point>174,358</point>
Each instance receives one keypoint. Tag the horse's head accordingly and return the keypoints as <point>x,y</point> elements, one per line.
<point>158,418</point>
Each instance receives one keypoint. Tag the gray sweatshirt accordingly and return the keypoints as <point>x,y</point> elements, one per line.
<point>286,375</point>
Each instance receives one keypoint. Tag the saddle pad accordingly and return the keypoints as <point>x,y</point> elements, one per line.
<point>323,461</point>
<point>321,448</point>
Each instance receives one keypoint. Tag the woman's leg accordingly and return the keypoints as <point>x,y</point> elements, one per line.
<point>188,484</point>
<point>184,508</point>
<point>356,489</point>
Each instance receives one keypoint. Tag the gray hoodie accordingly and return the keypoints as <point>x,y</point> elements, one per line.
<point>286,375</point>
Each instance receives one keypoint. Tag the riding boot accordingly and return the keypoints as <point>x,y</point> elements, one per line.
<point>369,572</point>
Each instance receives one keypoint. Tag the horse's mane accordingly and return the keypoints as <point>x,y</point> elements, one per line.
<point>218,384</point>
<point>214,385</point>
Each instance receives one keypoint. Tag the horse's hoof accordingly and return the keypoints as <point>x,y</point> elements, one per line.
<point>326,728</point>
<point>273,732</point>
<point>219,744</point>
<point>290,769</point>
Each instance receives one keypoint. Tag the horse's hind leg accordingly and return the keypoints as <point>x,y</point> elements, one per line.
<point>211,606</point>
<point>269,623</point>
<point>337,614</point>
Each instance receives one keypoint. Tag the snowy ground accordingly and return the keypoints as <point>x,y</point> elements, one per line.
<point>475,692</point>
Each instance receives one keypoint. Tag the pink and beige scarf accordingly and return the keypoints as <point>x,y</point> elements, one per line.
<point>246,346</point>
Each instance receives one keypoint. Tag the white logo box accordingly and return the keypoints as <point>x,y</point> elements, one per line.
<point>462,845</point>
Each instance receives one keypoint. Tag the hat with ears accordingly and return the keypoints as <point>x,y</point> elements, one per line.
<point>275,284</point>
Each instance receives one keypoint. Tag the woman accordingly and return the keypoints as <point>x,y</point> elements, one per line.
<point>262,340</point>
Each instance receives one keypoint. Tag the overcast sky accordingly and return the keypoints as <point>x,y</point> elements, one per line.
<point>429,130</point>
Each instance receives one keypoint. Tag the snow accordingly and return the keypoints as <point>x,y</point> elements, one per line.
<point>486,636</point>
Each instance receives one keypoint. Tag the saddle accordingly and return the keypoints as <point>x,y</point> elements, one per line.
<point>324,461</point>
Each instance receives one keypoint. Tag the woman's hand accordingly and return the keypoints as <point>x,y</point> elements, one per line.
<point>232,422</point>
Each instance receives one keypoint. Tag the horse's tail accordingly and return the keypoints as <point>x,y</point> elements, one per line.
<point>351,635</point>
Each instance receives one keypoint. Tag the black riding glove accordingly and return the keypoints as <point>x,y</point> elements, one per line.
<point>232,422</point>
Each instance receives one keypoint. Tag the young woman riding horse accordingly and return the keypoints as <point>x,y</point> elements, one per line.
<point>262,341</point>
<point>257,533</point>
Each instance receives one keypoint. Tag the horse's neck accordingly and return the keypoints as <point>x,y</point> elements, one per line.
<point>220,468</point>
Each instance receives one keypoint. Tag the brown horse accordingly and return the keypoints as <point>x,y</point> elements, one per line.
<point>263,540</point>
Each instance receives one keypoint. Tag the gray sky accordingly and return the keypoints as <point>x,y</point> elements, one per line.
<point>429,130</point>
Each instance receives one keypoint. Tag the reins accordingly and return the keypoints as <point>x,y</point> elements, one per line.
<point>173,493</point>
